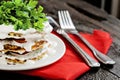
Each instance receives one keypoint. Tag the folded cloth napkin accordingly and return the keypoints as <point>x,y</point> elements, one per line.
<point>70,66</point>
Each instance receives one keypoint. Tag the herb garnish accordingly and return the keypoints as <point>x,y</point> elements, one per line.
<point>23,14</point>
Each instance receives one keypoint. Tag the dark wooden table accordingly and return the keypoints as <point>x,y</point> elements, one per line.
<point>86,18</point>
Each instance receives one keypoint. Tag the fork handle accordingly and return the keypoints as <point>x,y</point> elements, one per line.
<point>89,60</point>
<point>100,56</point>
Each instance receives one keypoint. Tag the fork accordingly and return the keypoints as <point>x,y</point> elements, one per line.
<point>67,24</point>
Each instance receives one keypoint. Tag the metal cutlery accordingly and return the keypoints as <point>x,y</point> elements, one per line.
<point>67,24</point>
<point>89,60</point>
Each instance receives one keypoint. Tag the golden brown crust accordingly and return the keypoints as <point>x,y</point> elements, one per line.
<point>12,47</point>
<point>15,61</point>
<point>20,40</point>
<point>39,44</point>
<point>15,34</point>
<point>8,49</point>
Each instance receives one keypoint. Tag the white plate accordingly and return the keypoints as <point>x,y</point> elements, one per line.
<point>45,61</point>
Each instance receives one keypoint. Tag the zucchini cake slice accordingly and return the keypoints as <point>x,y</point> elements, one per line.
<point>19,46</point>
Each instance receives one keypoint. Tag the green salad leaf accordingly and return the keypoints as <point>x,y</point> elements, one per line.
<point>23,14</point>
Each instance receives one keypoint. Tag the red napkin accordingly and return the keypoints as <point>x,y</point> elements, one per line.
<point>70,66</point>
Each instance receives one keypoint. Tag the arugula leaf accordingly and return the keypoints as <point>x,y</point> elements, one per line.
<point>32,4</point>
<point>23,14</point>
<point>17,2</point>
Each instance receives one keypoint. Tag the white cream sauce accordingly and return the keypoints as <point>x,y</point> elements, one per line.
<point>30,36</point>
<point>5,29</point>
<point>30,55</point>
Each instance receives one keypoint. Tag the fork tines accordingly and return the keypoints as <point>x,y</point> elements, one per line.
<point>65,20</point>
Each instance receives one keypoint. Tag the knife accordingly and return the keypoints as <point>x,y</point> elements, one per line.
<point>88,59</point>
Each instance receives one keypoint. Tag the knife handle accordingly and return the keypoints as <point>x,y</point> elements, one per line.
<point>89,60</point>
<point>100,56</point>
